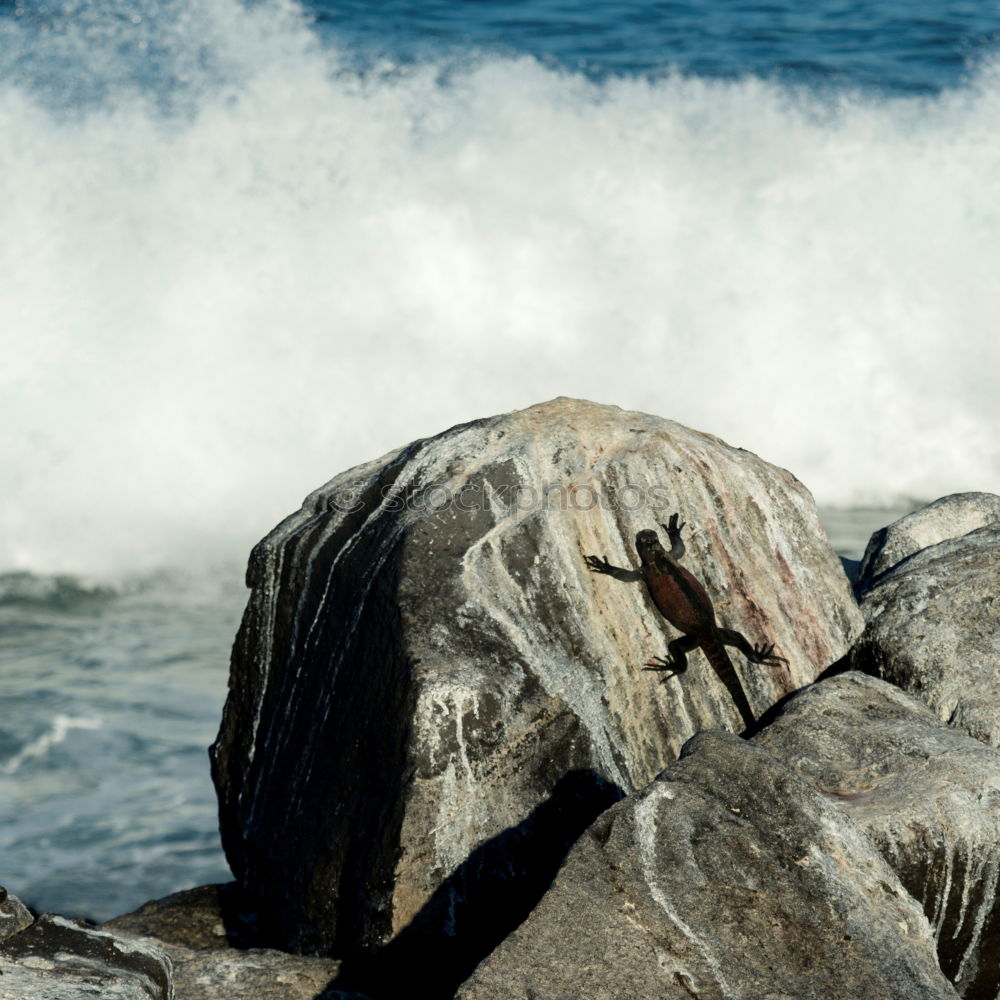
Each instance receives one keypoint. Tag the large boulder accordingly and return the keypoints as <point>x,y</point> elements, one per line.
<point>932,629</point>
<point>728,877</point>
<point>431,696</point>
<point>948,517</point>
<point>926,794</point>
<point>64,959</point>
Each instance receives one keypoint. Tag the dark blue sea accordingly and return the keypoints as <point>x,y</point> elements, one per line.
<point>244,246</point>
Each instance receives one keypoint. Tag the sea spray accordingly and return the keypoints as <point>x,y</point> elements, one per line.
<point>233,267</point>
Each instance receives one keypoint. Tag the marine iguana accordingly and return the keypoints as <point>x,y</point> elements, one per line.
<point>682,600</point>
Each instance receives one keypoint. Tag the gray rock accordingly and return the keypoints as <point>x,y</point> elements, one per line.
<point>926,794</point>
<point>728,877</point>
<point>60,959</point>
<point>190,926</point>
<point>430,700</point>
<point>257,973</point>
<point>14,915</point>
<point>933,629</point>
<point>948,517</point>
<point>193,918</point>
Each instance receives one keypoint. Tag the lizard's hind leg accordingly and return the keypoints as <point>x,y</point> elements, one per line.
<point>676,659</point>
<point>755,654</point>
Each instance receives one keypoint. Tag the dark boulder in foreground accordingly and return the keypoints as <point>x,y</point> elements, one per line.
<point>431,697</point>
<point>59,959</point>
<point>927,795</point>
<point>933,629</point>
<point>728,877</point>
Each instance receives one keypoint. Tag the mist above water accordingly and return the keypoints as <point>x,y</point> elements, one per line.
<point>231,267</point>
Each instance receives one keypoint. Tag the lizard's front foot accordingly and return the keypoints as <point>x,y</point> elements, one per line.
<point>672,528</point>
<point>596,565</point>
<point>766,654</point>
<point>664,663</point>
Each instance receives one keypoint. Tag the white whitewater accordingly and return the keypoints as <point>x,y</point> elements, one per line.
<point>226,283</point>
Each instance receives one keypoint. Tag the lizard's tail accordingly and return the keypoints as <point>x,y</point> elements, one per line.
<point>723,666</point>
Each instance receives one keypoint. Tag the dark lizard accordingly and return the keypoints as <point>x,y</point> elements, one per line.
<point>682,600</point>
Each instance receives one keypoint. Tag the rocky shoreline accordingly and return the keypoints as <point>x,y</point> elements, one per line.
<point>442,767</point>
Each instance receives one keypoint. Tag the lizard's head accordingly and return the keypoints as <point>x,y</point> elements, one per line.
<point>647,544</point>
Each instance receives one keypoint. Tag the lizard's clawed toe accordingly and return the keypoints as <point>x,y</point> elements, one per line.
<point>766,654</point>
<point>660,663</point>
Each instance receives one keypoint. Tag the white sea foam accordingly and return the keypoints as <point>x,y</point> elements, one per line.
<point>55,734</point>
<point>215,301</point>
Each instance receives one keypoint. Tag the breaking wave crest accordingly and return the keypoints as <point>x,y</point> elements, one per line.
<point>233,267</point>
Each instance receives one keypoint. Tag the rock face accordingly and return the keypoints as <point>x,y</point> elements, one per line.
<point>728,877</point>
<point>431,697</point>
<point>190,927</point>
<point>926,794</point>
<point>949,517</point>
<point>932,630</point>
<point>58,958</point>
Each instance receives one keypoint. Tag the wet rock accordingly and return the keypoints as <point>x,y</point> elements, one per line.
<point>191,927</point>
<point>431,696</point>
<point>60,958</point>
<point>927,795</point>
<point>728,877</point>
<point>948,517</point>
<point>932,629</point>
<point>14,915</point>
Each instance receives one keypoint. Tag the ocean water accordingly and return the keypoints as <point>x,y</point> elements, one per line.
<point>110,698</point>
<point>244,246</point>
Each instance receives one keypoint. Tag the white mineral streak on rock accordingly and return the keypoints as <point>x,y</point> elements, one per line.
<point>125,945</point>
<point>963,904</point>
<point>331,529</point>
<point>82,964</point>
<point>36,962</point>
<point>980,880</point>
<point>461,805</point>
<point>273,559</point>
<point>985,878</point>
<point>943,895</point>
<point>645,811</point>
<point>317,508</point>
